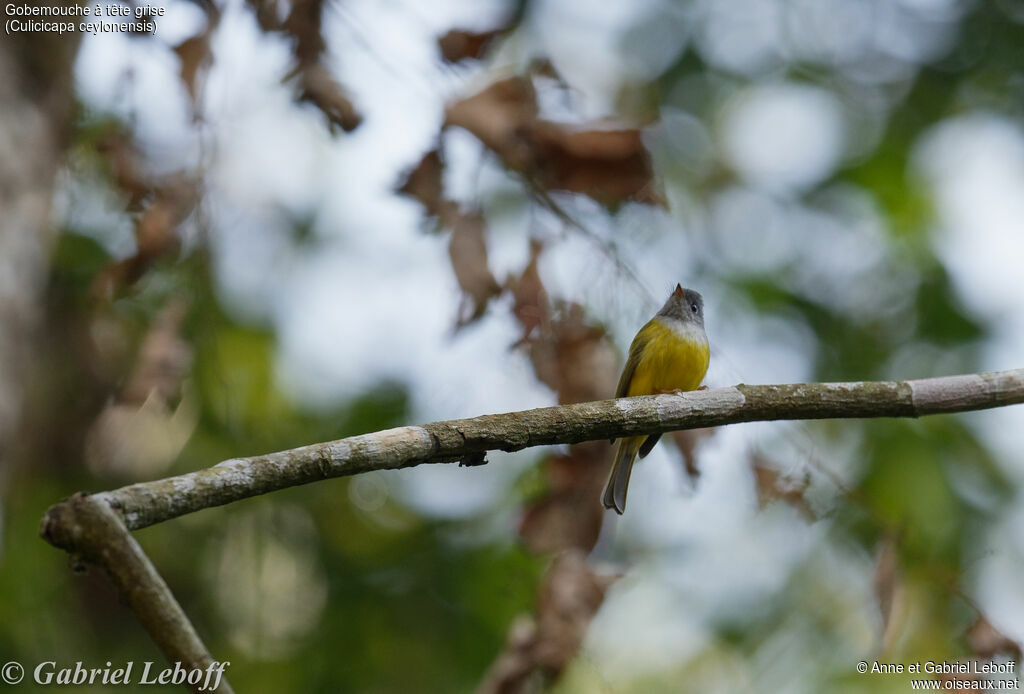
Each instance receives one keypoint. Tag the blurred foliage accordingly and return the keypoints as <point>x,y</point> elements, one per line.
<point>340,586</point>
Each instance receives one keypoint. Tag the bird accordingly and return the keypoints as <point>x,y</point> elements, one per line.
<point>670,354</point>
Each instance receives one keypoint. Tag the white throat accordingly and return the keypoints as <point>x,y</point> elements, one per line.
<point>686,330</point>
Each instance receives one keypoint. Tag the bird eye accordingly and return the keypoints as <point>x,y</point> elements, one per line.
<point>693,307</point>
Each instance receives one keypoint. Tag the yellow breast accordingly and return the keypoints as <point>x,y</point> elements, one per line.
<point>670,360</point>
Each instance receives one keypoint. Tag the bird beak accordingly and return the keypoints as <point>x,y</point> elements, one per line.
<point>678,293</point>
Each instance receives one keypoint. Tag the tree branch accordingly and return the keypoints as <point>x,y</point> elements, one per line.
<point>147,503</point>
<point>97,527</point>
<point>100,538</point>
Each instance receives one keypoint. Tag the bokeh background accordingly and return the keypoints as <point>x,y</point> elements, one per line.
<point>279,223</point>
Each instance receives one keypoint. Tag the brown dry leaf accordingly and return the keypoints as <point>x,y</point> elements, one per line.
<point>319,88</point>
<point>575,359</point>
<point>610,164</point>
<point>888,584</point>
<point>165,203</point>
<point>987,641</point>
<point>511,670</point>
<point>568,515</point>
<point>194,54</point>
<point>123,158</point>
<point>109,348</point>
<point>468,252</point>
<point>155,235</point>
<point>139,441</point>
<point>303,24</point>
<point>530,299</point>
<point>315,83</point>
<point>425,183</point>
<point>140,434</point>
<point>501,117</point>
<point>164,360</point>
<point>773,486</point>
<point>467,246</point>
<point>154,232</point>
<point>566,520</point>
<point>543,67</point>
<point>686,441</point>
<point>538,650</point>
<point>459,44</point>
<point>578,362</point>
<point>267,14</point>
<point>569,598</point>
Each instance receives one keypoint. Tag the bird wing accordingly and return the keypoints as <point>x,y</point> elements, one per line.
<point>636,350</point>
<point>648,445</point>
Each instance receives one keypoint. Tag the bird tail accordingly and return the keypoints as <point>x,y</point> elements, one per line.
<point>618,481</point>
